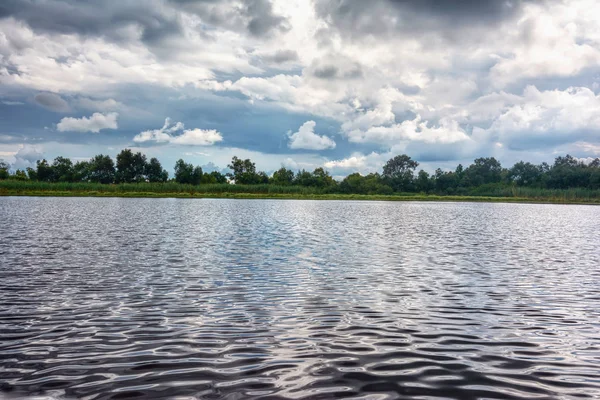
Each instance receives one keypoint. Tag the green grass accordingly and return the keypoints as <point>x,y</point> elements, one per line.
<point>168,187</point>
<point>171,189</point>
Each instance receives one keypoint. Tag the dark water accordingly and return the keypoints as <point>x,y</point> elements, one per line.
<point>153,298</point>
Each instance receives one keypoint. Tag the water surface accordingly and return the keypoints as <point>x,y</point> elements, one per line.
<point>106,298</point>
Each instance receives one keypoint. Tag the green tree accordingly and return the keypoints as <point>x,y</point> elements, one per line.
<point>370,184</point>
<point>62,170</point>
<point>283,177</point>
<point>32,174</point>
<point>525,174</point>
<point>243,171</point>
<point>186,173</point>
<point>399,172</point>
<point>445,182</point>
<point>130,167</point>
<point>218,177</point>
<point>213,177</point>
<point>423,182</point>
<point>81,171</point>
<point>20,175</point>
<point>322,178</point>
<point>155,171</point>
<point>4,168</point>
<point>102,170</point>
<point>568,172</point>
<point>483,171</point>
<point>45,172</point>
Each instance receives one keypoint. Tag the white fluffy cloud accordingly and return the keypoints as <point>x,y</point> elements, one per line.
<point>448,131</point>
<point>560,41</point>
<point>543,118</point>
<point>191,137</point>
<point>198,137</point>
<point>94,123</point>
<point>355,162</point>
<point>307,139</point>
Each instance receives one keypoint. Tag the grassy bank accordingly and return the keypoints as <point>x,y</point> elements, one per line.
<point>174,190</point>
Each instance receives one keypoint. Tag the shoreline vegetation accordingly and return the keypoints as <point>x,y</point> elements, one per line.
<point>568,181</point>
<point>231,191</point>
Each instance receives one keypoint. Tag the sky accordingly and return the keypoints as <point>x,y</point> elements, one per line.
<point>339,84</point>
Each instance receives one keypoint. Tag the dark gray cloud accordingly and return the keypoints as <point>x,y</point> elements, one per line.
<point>92,18</point>
<point>333,72</point>
<point>281,56</point>
<point>52,102</point>
<point>157,20</point>
<point>390,17</point>
<point>253,16</point>
<point>262,20</point>
<point>326,72</point>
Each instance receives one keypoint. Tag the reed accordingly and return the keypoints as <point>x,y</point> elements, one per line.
<point>172,189</point>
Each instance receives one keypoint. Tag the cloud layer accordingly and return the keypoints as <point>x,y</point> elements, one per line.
<point>444,81</point>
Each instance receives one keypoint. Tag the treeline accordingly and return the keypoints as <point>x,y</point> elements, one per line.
<point>399,175</point>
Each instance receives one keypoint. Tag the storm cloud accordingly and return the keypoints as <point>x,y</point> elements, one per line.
<point>52,102</point>
<point>334,83</point>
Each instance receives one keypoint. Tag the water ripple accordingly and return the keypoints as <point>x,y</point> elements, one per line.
<point>231,299</point>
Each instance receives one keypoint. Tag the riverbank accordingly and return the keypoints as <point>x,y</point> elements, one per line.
<point>296,196</point>
<point>269,191</point>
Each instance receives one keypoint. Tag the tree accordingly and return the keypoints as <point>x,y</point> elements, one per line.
<point>217,177</point>
<point>244,171</point>
<point>102,169</point>
<point>130,167</point>
<point>398,171</point>
<point>283,177</point>
<point>483,171</point>
<point>20,175</point>
<point>186,173</point>
<point>445,182</point>
<point>566,161</point>
<point>32,174</point>
<point>44,171</point>
<point>81,171</point>
<point>62,170</point>
<point>423,182</point>
<point>4,168</point>
<point>262,178</point>
<point>155,171</point>
<point>568,172</point>
<point>213,177</point>
<point>322,178</point>
<point>525,173</point>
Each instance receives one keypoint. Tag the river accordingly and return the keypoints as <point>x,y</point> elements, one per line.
<point>113,298</point>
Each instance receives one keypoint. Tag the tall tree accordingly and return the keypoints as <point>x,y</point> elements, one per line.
<point>283,177</point>
<point>62,170</point>
<point>423,182</point>
<point>45,172</point>
<point>524,173</point>
<point>483,171</point>
<point>399,172</point>
<point>32,174</point>
<point>244,171</point>
<point>187,173</point>
<point>81,171</point>
<point>155,171</point>
<point>130,166</point>
<point>102,169</point>
<point>4,168</point>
